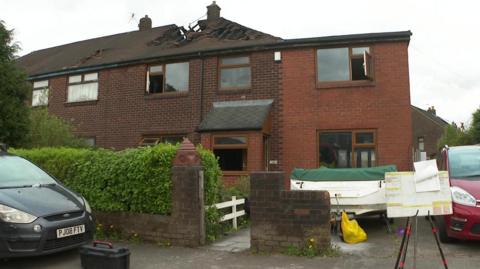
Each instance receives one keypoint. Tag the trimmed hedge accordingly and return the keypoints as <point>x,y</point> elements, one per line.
<point>133,180</point>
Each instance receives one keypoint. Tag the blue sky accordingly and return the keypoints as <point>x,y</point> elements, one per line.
<point>443,52</point>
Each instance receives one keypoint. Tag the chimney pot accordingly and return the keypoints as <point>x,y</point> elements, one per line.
<point>213,12</point>
<point>145,23</point>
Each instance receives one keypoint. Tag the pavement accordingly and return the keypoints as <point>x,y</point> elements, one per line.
<point>232,252</point>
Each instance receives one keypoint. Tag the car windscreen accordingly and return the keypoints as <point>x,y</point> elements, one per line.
<point>464,162</point>
<point>16,171</point>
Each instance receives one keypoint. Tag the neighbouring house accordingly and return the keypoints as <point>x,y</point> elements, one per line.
<point>259,102</point>
<point>427,128</point>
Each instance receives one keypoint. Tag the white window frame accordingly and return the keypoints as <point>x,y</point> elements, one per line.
<point>40,93</point>
<point>82,82</point>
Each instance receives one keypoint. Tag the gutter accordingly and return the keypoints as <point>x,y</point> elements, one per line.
<point>281,44</point>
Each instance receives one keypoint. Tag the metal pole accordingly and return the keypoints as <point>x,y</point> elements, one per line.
<point>404,256</point>
<point>434,231</point>
<point>401,245</point>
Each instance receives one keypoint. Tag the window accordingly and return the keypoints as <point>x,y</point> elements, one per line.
<point>151,140</point>
<point>347,149</point>
<point>231,152</point>
<point>421,144</point>
<point>40,93</point>
<point>172,77</point>
<point>89,141</point>
<point>235,73</point>
<point>343,64</point>
<point>82,87</point>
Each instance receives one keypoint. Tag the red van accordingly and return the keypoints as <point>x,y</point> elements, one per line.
<point>463,165</point>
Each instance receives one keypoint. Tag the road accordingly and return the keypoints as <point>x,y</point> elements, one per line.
<point>378,252</point>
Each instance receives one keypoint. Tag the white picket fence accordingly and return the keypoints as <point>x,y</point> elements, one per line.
<point>233,205</point>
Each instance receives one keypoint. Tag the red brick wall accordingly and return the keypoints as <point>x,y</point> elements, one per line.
<point>123,112</point>
<point>383,106</point>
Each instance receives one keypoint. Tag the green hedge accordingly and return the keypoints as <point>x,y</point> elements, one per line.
<point>135,180</point>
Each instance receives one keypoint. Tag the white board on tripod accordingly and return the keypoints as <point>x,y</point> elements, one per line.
<point>403,200</point>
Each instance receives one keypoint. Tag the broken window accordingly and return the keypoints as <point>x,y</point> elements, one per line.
<point>172,77</point>
<point>82,87</point>
<point>40,93</point>
<point>231,152</point>
<point>235,73</point>
<point>347,149</point>
<point>344,64</point>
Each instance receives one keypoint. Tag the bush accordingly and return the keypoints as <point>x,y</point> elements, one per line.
<point>240,188</point>
<point>48,130</point>
<point>133,180</point>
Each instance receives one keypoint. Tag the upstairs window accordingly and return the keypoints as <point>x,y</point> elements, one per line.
<point>235,73</point>
<point>164,78</point>
<point>40,93</point>
<point>347,149</point>
<point>344,64</point>
<point>82,87</point>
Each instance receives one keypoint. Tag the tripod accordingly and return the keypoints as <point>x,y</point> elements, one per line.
<point>402,254</point>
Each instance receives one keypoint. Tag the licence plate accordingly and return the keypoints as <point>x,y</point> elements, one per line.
<point>69,231</point>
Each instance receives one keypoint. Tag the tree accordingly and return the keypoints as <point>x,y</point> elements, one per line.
<point>454,136</point>
<point>475,128</point>
<point>14,92</point>
<point>48,130</point>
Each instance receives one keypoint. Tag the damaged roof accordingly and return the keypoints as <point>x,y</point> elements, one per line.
<point>213,36</point>
<point>168,40</point>
<point>237,115</point>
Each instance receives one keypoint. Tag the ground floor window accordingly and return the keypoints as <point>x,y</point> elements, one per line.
<point>151,140</point>
<point>231,152</point>
<point>343,149</point>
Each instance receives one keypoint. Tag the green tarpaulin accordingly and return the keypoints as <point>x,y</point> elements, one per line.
<point>342,174</point>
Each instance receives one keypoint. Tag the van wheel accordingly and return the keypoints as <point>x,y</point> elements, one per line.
<point>442,230</point>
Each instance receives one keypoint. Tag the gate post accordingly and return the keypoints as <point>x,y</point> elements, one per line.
<point>188,212</point>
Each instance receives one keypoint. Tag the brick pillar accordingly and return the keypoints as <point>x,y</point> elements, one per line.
<point>188,213</point>
<point>280,218</point>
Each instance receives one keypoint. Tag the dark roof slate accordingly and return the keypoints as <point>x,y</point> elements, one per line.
<point>431,116</point>
<point>237,115</point>
<point>147,44</point>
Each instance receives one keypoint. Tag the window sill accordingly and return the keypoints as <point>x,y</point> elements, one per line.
<point>81,103</point>
<point>165,95</point>
<point>345,84</point>
<point>234,91</point>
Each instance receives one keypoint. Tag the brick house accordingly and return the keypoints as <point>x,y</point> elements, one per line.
<point>427,128</point>
<point>258,101</point>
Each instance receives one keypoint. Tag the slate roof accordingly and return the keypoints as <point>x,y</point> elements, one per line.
<point>237,115</point>
<point>152,43</point>
<point>431,116</point>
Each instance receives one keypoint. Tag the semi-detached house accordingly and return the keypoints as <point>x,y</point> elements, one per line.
<point>258,101</point>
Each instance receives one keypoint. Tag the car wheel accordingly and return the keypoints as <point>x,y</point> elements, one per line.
<point>442,230</point>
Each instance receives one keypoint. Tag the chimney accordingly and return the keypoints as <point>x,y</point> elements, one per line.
<point>213,12</point>
<point>432,110</point>
<point>145,23</point>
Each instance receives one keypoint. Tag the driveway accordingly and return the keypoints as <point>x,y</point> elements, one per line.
<point>378,252</point>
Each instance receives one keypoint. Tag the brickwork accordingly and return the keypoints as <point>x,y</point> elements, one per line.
<point>281,219</point>
<point>382,105</point>
<point>184,227</point>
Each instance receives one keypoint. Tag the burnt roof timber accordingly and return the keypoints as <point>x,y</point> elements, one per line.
<point>400,36</point>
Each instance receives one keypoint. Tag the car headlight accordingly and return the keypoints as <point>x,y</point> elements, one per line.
<point>13,215</point>
<point>87,206</point>
<point>461,196</point>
